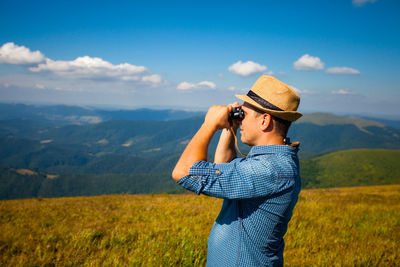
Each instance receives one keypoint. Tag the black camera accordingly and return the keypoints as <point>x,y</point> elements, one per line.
<point>236,114</point>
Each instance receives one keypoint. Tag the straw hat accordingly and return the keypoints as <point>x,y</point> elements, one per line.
<point>273,97</point>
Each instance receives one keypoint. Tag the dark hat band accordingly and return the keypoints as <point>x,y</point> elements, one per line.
<point>264,103</point>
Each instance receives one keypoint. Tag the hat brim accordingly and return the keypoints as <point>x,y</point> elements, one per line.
<point>285,115</point>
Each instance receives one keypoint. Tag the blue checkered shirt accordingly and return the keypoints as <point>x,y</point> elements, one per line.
<point>259,192</point>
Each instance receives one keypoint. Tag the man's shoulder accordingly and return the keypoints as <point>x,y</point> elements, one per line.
<point>283,160</point>
<point>273,149</point>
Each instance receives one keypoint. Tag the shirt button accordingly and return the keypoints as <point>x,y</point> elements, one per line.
<point>217,172</point>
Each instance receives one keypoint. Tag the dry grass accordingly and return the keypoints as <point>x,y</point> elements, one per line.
<point>343,227</point>
<point>358,226</point>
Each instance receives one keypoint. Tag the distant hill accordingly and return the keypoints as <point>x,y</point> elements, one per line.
<point>26,183</point>
<point>338,169</point>
<point>133,144</point>
<point>40,139</point>
<point>352,168</point>
<point>318,133</point>
<point>323,119</point>
<point>321,133</point>
<point>388,122</point>
<point>68,114</point>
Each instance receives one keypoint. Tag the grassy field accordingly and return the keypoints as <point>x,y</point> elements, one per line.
<point>357,226</point>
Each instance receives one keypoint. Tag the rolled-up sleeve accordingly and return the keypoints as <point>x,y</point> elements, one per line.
<point>238,179</point>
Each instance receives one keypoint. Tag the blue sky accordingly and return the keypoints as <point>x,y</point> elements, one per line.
<point>341,56</point>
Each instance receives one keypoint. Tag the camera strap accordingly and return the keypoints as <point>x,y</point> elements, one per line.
<point>236,144</point>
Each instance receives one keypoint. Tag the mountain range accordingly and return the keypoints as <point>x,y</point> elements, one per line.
<point>135,150</point>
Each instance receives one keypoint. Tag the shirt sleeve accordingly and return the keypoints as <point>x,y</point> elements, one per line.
<point>238,179</point>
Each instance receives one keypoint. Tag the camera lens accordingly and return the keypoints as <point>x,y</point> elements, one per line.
<point>236,114</point>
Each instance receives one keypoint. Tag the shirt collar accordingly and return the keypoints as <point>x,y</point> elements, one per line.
<point>272,149</point>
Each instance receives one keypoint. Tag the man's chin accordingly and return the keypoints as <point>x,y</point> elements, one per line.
<point>243,140</point>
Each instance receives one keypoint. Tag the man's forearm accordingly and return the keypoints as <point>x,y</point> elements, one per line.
<point>196,150</point>
<point>225,151</point>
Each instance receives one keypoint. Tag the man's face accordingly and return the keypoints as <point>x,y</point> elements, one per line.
<point>250,125</point>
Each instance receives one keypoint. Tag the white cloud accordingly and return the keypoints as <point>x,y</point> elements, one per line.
<point>246,68</point>
<point>344,92</point>
<point>86,67</point>
<point>342,70</point>
<point>97,68</point>
<point>130,78</point>
<point>360,3</point>
<point>307,62</point>
<point>154,78</point>
<point>302,92</point>
<point>207,84</point>
<point>187,86</point>
<point>40,86</point>
<point>89,67</point>
<point>14,54</point>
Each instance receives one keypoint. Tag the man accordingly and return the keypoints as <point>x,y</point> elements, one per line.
<point>260,190</point>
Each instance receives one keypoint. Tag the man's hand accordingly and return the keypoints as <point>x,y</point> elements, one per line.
<point>225,151</point>
<point>217,117</point>
<point>197,149</point>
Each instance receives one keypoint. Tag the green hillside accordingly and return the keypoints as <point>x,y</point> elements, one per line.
<point>27,183</point>
<point>338,169</point>
<point>352,168</point>
<point>131,144</point>
<point>137,156</point>
<point>321,118</point>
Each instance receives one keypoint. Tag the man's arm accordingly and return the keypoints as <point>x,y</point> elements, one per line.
<point>225,151</point>
<point>197,149</point>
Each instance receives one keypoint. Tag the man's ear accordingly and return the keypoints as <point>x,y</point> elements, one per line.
<point>266,121</point>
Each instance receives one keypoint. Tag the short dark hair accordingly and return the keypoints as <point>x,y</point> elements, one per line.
<point>281,125</point>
